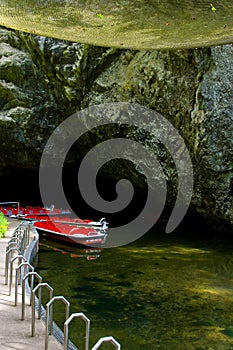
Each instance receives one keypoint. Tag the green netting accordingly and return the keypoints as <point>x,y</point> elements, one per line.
<point>137,24</point>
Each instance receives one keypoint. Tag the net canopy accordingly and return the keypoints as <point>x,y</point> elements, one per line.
<point>136,24</point>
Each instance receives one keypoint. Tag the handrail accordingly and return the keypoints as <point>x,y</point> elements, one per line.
<point>10,243</point>
<point>18,269</point>
<point>39,305</point>
<point>26,233</point>
<point>21,235</point>
<point>66,329</point>
<point>18,230</point>
<point>20,257</point>
<point>23,230</point>
<point>49,316</point>
<point>7,262</point>
<point>14,239</point>
<point>107,340</point>
<point>18,233</point>
<point>32,274</point>
<point>17,244</point>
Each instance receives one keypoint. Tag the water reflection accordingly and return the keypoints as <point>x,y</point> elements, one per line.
<point>161,292</point>
<point>74,252</point>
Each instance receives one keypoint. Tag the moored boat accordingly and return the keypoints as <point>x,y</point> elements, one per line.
<point>57,224</point>
<point>15,210</point>
<point>29,213</point>
<point>70,234</point>
<point>100,224</point>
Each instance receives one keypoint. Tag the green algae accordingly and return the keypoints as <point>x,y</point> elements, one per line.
<point>228,331</point>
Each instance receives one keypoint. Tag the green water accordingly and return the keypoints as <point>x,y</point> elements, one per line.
<point>161,292</point>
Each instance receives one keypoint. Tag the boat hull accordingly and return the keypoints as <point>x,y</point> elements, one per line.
<point>91,241</point>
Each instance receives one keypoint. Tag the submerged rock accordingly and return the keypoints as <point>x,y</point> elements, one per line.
<point>43,81</point>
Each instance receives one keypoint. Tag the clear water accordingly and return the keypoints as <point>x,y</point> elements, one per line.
<point>161,292</point>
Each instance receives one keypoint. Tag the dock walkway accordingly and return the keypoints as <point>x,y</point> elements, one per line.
<point>15,334</point>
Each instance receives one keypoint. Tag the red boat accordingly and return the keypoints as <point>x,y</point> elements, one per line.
<point>70,234</point>
<point>101,224</point>
<point>15,210</point>
<point>29,213</point>
<point>57,225</point>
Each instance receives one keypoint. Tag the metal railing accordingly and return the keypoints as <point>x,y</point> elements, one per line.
<point>107,340</point>
<point>17,243</point>
<point>32,275</point>
<point>20,258</point>
<point>66,329</point>
<point>49,316</point>
<point>18,278</point>
<point>15,253</point>
<point>9,254</point>
<point>39,286</point>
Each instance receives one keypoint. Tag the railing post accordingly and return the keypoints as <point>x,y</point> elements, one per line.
<point>23,245</point>
<point>32,274</point>
<point>39,305</point>
<point>25,235</point>
<point>9,252</point>
<point>49,317</point>
<point>18,233</point>
<point>107,340</point>
<point>66,329</point>
<point>18,269</point>
<point>28,233</point>
<point>12,243</point>
<point>20,258</point>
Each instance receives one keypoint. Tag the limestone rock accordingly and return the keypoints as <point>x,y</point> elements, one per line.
<point>43,81</point>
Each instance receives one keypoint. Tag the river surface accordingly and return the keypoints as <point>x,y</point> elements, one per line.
<point>168,292</point>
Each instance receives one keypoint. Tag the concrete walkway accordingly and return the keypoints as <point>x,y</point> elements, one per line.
<point>14,333</point>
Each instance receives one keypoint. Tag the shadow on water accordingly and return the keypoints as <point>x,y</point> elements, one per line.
<point>160,292</point>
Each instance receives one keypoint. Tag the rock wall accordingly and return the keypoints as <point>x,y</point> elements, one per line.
<point>43,81</point>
